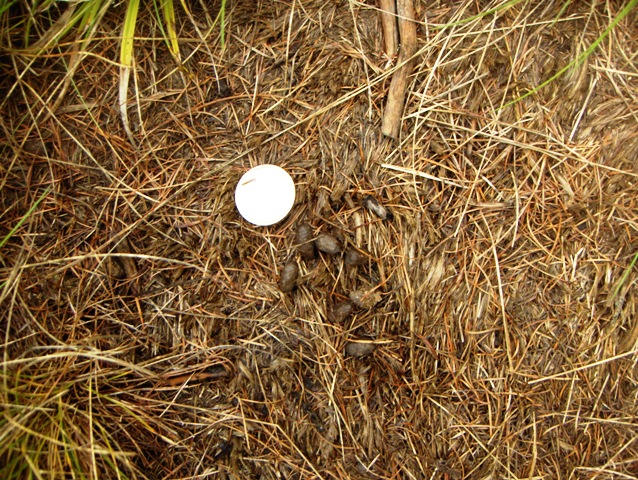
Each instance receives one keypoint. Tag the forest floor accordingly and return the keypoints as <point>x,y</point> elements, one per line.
<point>144,330</point>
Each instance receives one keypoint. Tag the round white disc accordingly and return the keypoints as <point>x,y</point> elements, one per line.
<point>265,195</point>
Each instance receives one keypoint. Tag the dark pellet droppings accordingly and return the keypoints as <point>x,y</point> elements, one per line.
<point>360,349</point>
<point>340,312</point>
<point>355,257</point>
<point>375,207</point>
<point>364,298</point>
<point>328,244</point>
<point>289,275</point>
<point>305,245</point>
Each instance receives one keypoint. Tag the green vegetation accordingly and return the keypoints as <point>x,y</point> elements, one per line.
<point>24,218</point>
<point>37,29</point>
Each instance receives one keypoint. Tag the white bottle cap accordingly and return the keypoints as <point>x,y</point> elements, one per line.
<point>265,195</point>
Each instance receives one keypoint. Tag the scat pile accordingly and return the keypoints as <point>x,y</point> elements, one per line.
<point>306,247</point>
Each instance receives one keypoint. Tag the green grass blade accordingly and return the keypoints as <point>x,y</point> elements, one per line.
<point>583,56</point>
<point>221,18</point>
<point>126,60</point>
<point>128,31</point>
<point>4,6</point>
<point>222,23</point>
<point>92,15</point>
<point>24,218</point>
<point>625,275</point>
<point>168,9</point>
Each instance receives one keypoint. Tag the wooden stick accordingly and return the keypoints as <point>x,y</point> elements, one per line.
<point>391,123</point>
<point>389,25</point>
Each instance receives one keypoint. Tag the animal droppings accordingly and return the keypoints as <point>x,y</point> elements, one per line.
<point>375,207</point>
<point>306,246</point>
<point>288,279</point>
<point>360,349</point>
<point>365,298</point>
<point>355,257</point>
<point>328,244</point>
<point>340,312</point>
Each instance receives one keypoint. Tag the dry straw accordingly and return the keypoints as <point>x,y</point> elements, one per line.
<point>144,331</point>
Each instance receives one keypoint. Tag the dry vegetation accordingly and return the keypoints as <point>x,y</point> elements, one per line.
<point>144,333</point>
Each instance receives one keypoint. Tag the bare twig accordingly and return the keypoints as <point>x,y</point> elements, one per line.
<point>389,25</point>
<point>391,123</point>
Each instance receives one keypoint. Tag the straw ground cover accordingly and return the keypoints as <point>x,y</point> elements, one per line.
<point>144,333</point>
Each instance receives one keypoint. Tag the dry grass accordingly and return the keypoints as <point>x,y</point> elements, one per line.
<point>144,334</point>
